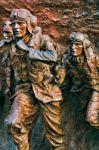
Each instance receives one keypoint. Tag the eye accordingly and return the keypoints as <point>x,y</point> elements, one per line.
<point>7,32</point>
<point>78,44</point>
<point>20,23</point>
<point>13,24</point>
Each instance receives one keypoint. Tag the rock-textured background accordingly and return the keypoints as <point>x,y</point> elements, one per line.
<point>58,18</point>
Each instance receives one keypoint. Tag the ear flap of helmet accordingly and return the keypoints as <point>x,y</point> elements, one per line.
<point>32,22</point>
<point>86,43</point>
<point>89,52</point>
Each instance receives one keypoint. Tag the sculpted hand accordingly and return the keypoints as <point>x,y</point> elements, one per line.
<point>21,45</point>
<point>60,74</point>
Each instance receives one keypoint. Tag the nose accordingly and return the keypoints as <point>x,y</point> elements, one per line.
<point>5,35</point>
<point>16,26</point>
<point>73,46</point>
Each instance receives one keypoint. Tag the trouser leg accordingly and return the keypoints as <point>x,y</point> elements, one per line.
<point>51,113</point>
<point>20,120</point>
<point>93,110</point>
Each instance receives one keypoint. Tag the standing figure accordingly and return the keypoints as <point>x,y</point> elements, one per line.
<point>81,68</point>
<point>32,56</point>
<point>5,45</point>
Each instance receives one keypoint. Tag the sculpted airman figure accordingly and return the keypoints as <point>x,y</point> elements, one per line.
<point>81,67</point>
<point>5,45</point>
<point>31,56</point>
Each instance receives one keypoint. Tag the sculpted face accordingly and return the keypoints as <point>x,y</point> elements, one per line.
<point>19,28</point>
<point>77,48</point>
<point>7,30</point>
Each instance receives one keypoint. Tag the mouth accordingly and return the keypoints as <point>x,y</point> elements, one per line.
<point>16,32</point>
<point>5,37</point>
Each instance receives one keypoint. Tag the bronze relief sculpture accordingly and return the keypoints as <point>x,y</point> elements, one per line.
<point>80,64</point>
<point>31,55</point>
<point>5,45</point>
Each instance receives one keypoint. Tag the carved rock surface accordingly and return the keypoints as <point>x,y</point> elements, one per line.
<point>58,18</point>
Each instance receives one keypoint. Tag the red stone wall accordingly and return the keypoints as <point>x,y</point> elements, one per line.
<point>58,18</point>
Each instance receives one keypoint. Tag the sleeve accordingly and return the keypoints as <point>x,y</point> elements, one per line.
<point>46,52</point>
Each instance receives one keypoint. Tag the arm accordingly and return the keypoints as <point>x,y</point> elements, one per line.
<point>46,54</point>
<point>60,71</point>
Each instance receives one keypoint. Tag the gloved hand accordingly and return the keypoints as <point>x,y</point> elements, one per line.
<point>21,45</point>
<point>60,74</point>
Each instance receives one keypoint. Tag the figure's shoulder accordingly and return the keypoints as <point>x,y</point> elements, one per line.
<point>45,41</point>
<point>37,30</point>
<point>46,37</point>
<point>35,37</point>
<point>36,33</point>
